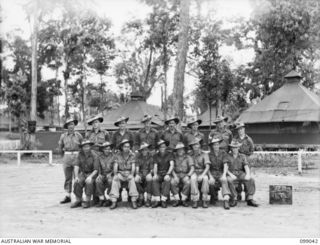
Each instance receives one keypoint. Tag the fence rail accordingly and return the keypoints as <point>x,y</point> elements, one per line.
<point>18,152</point>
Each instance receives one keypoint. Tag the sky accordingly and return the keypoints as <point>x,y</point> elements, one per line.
<point>120,11</point>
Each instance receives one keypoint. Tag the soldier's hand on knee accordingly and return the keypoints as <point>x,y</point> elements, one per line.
<point>167,177</point>
<point>130,177</point>
<point>88,180</point>
<point>200,178</point>
<point>76,180</point>
<point>99,178</point>
<point>247,177</point>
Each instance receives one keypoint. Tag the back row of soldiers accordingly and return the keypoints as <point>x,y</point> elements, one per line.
<point>162,163</point>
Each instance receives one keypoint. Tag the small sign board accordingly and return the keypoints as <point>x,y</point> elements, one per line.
<point>280,194</point>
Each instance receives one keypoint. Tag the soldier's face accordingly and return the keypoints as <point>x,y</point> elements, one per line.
<point>220,124</point>
<point>86,148</point>
<point>162,148</point>
<point>95,124</point>
<point>215,146</point>
<point>180,152</point>
<point>241,131</point>
<point>196,147</point>
<point>71,126</point>
<point>126,147</point>
<point>107,150</point>
<point>144,152</point>
<point>122,125</point>
<point>147,123</point>
<point>172,125</point>
<point>235,150</point>
<point>195,126</point>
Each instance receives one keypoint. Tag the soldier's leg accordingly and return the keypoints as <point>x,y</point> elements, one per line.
<point>115,188</point>
<point>138,181</point>
<point>225,190</point>
<point>89,190</point>
<point>212,190</point>
<point>78,191</point>
<point>101,186</point>
<point>186,188</point>
<point>232,183</point>
<point>194,190</point>
<point>156,190</point>
<point>249,186</point>
<point>133,192</point>
<point>165,188</point>
<point>174,186</point>
<point>205,188</point>
<point>149,186</point>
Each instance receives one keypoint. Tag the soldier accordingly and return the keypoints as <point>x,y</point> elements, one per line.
<point>183,170</point>
<point>124,169</point>
<point>104,179</point>
<point>122,133</point>
<point>171,134</point>
<point>85,171</point>
<point>218,173</point>
<point>96,135</point>
<point>246,148</point>
<point>239,171</point>
<point>147,134</point>
<point>163,166</point>
<point>194,132</point>
<point>221,132</point>
<point>144,170</point>
<point>69,144</point>
<point>201,165</point>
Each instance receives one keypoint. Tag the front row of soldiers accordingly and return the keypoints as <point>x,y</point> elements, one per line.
<point>157,169</point>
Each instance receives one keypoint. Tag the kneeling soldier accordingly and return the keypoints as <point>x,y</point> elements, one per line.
<point>163,166</point>
<point>104,179</point>
<point>218,173</point>
<point>183,170</point>
<point>85,171</point>
<point>144,169</point>
<point>124,168</point>
<point>239,171</point>
<point>201,165</point>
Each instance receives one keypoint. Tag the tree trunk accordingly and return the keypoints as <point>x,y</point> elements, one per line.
<point>182,50</point>
<point>34,71</point>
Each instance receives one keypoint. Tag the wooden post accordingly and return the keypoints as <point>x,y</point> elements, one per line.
<point>50,157</point>
<point>18,158</point>
<point>299,162</point>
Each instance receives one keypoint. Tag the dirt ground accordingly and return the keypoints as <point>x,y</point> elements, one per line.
<point>30,196</point>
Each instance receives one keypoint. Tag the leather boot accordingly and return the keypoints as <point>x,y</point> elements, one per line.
<point>134,205</point>
<point>175,203</point>
<point>185,203</point>
<point>148,203</point>
<point>113,205</point>
<point>226,205</point>
<point>252,203</point>
<point>156,204</point>
<point>195,204</point>
<point>65,200</point>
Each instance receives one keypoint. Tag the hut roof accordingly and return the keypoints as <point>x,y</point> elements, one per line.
<point>135,110</point>
<point>205,117</point>
<point>291,103</point>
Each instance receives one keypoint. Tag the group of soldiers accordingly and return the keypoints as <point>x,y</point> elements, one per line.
<point>151,165</point>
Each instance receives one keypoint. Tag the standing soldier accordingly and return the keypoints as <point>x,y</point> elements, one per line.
<point>163,166</point>
<point>201,165</point>
<point>85,171</point>
<point>171,134</point>
<point>104,179</point>
<point>144,170</point>
<point>239,171</point>
<point>183,170</point>
<point>96,135</point>
<point>147,134</point>
<point>222,132</point>
<point>69,144</point>
<point>246,148</point>
<point>124,168</point>
<point>218,173</point>
<point>194,132</point>
<point>122,133</point>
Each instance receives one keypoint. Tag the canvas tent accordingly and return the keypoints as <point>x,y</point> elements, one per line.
<point>290,115</point>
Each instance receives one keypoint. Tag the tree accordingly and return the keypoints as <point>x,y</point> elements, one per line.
<point>182,49</point>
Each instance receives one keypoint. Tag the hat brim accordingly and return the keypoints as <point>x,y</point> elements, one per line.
<point>220,120</point>
<point>122,143</point>
<point>87,143</point>
<point>146,119</point>
<point>165,142</point>
<point>235,146</point>
<point>118,122</point>
<point>211,143</point>
<point>242,126</point>
<point>104,146</point>
<point>75,121</point>
<point>176,120</point>
<point>145,147</point>
<point>91,121</point>
<point>199,121</point>
<point>195,142</point>
<point>176,149</point>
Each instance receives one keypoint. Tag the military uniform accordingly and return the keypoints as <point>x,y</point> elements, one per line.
<point>70,144</point>
<point>182,166</point>
<point>216,171</point>
<point>87,164</point>
<point>189,137</point>
<point>124,175</point>
<point>247,145</point>
<point>200,159</point>
<point>172,138</point>
<point>117,137</point>
<point>237,167</point>
<point>98,137</point>
<point>224,134</point>
<point>144,176</point>
<point>105,177</point>
<point>151,137</point>
<point>160,186</point>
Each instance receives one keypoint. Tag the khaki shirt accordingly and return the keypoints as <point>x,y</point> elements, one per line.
<point>125,163</point>
<point>152,137</point>
<point>106,163</point>
<point>247,146</point>
<point>217,162</point>
<point>117,137</point>
<point>145,163</point>
<point>183,164</point>
<point>172,138</point>
<point>236,165</point>
<point>189,137</point>
<point>87,163</point>
<point>200,159</point>
<point>98,138</point>
<point>70,142</point>
<point>163,162</point>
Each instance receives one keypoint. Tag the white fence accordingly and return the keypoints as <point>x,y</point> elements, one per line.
<point>18,152</point>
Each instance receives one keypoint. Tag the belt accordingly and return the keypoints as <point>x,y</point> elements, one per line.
<point>71,152</point>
